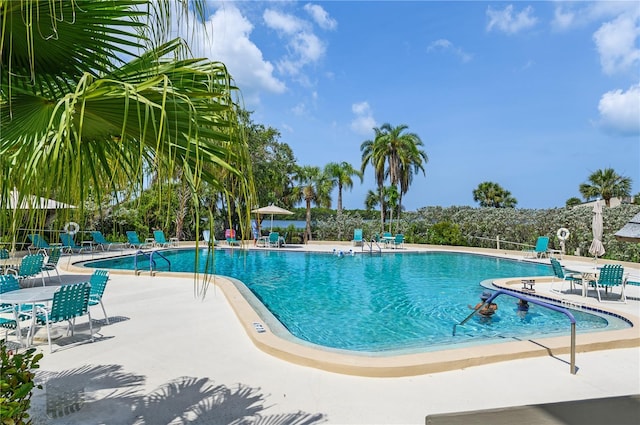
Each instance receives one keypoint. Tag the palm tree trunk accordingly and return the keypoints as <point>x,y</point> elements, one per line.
<point>307,231</point>
<point>382,209</point>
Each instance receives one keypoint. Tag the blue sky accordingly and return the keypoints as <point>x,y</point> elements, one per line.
<point>534,96</point>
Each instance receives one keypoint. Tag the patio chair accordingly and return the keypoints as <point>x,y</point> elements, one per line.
<point>230,236</point>
<point>161,240</point>
<point>69,302</point>
<point>69,244</point>
<point>101,241</point>
<point>38,244</point>
<point>134,241</point>
<point>8,283</point>
<point>398,241</point>
<point>52,262</point>
<point>30,267</point>
<point>98,283</point>
<point>274,239</point>
<point>558,271</point>
<point>4,254</point>
<point>13,314</point>
<point>357,237</point>
<point>610,276</point>
<point>541,249</point>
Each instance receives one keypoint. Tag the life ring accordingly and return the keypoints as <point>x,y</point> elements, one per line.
<point>563,234</point>
<point>72,228</point>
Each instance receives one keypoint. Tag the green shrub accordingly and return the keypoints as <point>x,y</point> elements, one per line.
<point>16,384</point>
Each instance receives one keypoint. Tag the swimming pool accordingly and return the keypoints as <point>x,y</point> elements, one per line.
<point>381,303</point>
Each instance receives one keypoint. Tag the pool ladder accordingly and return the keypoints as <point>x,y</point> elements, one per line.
<point>370,245</point>
<point>152,262</point>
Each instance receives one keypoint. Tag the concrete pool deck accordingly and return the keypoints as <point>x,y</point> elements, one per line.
<point>168,357</point>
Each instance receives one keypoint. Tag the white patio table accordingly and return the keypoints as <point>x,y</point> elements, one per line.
<point>588,273</point>
<point>28,296</point>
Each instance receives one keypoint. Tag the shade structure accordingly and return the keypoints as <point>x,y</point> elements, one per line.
<point>272,209</point>
<point>32,202</point>
<point>597,249</point>
<point>630,232</point>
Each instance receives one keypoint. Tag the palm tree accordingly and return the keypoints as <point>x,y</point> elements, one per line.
<point>606,184</point>
<point>75,116</point>
<point>491,194</point>
<point>400,151</point>
<point>374,153</point>
<point>313,186</point>
<point>340,174</point>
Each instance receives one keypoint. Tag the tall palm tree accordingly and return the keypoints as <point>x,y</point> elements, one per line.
<point>75,115</point>
<point>313,186</point>
<point>606,184</point>
<point>395,154</point>
<point>340,175</point>
<point>490,194</point>
<point>374,154</point>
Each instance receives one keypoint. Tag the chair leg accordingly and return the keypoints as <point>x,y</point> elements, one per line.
<point>106,318</point>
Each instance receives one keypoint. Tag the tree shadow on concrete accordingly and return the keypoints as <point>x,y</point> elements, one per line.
<point>108,395</point>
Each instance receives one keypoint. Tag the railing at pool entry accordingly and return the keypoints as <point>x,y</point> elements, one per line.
<point>539,302</point>
<point>152,262</point>
<point>370,245</point>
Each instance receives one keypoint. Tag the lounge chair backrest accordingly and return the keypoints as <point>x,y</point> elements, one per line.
<point>31,265</point>
<point>357,234</point>
<point>38,241</point>
<point>557,268</point>
<point>159,237</point>
<point>132,237</point>
<point>399,238</point>
<point>610,275</point>
<point>4,254</point>
<point>98,282</point>
<point>542,244</point>
<point>70,301</point>
<point>54,256</point>
<point>68,241</point>
<point>274,237</point>
<point>99,238</point>
<point>206,235</point>
<point>8,283</point>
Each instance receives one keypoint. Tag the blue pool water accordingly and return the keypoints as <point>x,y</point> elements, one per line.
<point>381,303</point>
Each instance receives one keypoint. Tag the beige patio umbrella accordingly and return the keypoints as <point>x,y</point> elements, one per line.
<point>597,249</point>
<point>272,209</point>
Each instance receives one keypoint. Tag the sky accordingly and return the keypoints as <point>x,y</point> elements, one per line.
<point>534,96</point>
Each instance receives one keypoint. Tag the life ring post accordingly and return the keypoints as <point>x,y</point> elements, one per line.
<point>563,233</point>
<point>72,228</point>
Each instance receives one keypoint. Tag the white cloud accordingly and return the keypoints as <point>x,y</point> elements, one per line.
<point>304,46</point>
<point>616,43</point>
<point>572,14</point>
<point>505,21</point>
<point>363,123</point>
<point>321,17</point>
<point>282,22</point>
<point>447,46</point>
<point>620,111</point>
<point>226,38</point>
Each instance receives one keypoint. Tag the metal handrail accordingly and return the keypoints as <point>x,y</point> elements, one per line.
<point>152,262</point>
<point>540,303</point>
<point>370,245</point>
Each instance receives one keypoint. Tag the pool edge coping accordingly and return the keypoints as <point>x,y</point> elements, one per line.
<point>405,365</point>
